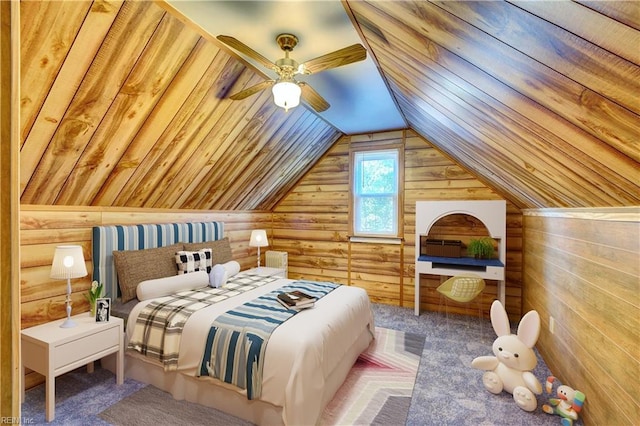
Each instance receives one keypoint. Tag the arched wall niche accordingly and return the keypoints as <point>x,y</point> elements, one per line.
<point>456,226</point>
<point>488,214</point>
<point>492,214</point>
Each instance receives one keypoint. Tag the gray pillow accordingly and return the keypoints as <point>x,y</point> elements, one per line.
<point>221,249</point>
<point>135,266</point>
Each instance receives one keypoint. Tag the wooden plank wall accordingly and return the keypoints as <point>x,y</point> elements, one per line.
<point>312,224</point>
<point>9,208</point>
<point>582,267</point>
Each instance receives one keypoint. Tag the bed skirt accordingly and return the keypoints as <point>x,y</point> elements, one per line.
<point>221,396</point>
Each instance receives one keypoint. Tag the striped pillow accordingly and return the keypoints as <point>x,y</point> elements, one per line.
<point>193,261</point>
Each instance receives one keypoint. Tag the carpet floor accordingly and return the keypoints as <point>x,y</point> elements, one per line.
<point>377,391</point>
<point>151,406</point>
<point>447,390</point>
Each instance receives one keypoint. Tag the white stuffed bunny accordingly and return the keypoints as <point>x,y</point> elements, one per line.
<point>509,369</point>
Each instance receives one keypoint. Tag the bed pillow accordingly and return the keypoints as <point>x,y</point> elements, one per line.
<point>135,266</point>
<point>221,249</point>
<point>218,276</point>
<point>221,272</point>
<point>166,286</point>
<point>232,267</point>
<point>193,261</point>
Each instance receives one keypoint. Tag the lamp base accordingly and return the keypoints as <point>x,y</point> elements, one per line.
<point>258,257</point>
<point>68,323</point>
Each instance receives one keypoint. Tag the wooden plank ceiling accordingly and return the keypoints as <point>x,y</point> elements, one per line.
<point>123,104</point>
<point>539,99</point>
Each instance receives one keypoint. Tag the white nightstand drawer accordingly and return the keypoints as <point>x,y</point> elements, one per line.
<point>76,350</point>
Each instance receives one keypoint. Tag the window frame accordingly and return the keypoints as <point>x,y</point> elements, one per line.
<point>353,152</point>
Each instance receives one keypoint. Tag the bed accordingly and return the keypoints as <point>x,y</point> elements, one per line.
<point>307,357</point>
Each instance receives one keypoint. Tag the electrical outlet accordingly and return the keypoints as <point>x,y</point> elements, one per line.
<point>552,325</point>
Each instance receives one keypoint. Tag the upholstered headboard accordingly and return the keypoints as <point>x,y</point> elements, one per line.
<point>106,239</point>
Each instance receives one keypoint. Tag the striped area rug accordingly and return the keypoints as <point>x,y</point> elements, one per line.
<point>379,386</point>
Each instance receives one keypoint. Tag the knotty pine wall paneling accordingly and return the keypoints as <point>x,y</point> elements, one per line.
<point>9,210</point>
<point>581,267</point>
<point>312,224</point>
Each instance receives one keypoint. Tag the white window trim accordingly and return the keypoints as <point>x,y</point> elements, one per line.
<point>378,240</point>
<point>387,238</point>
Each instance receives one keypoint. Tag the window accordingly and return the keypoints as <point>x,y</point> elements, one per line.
<point>375,195</point>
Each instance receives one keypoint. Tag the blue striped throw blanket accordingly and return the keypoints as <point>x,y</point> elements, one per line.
<point>237,340</point>
<point>158,329</point>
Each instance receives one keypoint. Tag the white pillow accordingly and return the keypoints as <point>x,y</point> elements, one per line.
<point>232,267</point>
<point>221,272</point>
<point>218,276</point>
<point>159,287</point>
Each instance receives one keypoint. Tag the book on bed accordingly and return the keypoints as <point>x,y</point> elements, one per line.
<point>296,300</point>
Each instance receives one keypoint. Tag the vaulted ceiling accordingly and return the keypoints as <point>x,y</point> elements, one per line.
<point>125,103</point>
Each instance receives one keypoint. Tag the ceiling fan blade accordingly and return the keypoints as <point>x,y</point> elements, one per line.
<point>252,90</point>
<point>243,48</point>
<point>313,98</point>
<point>345,56</point>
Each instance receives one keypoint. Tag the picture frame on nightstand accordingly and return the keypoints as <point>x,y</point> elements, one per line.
<point>103,309</point>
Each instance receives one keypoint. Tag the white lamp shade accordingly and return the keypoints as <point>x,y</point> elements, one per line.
<point>68,262</point>
<point>258,238</point>
<point>286,94</point>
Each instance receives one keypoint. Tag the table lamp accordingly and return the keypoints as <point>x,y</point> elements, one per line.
<point>258,239</point>
<point>68,262</point>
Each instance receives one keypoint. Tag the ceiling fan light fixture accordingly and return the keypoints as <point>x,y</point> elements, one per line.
<point>286,94</point>
<point>286,90</point>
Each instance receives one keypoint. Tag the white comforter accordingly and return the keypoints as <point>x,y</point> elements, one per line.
<point>301,352</point>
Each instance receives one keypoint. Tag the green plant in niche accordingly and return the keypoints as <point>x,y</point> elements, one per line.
<point>481,248</point>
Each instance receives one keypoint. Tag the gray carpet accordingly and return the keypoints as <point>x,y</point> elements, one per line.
<point>166,410</point>
<point>447,392</point>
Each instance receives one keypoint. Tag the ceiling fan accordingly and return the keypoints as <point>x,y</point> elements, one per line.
<point>286,89</point>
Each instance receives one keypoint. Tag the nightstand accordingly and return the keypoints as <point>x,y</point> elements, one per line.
<point>52,351</point>
<point>266,271</point>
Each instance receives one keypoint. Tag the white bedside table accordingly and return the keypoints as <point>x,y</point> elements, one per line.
<point>269,272</point>
<point>52,351</point>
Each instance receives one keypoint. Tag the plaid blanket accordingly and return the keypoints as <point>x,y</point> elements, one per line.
<point>159,325</point>
<point>237,340</point>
